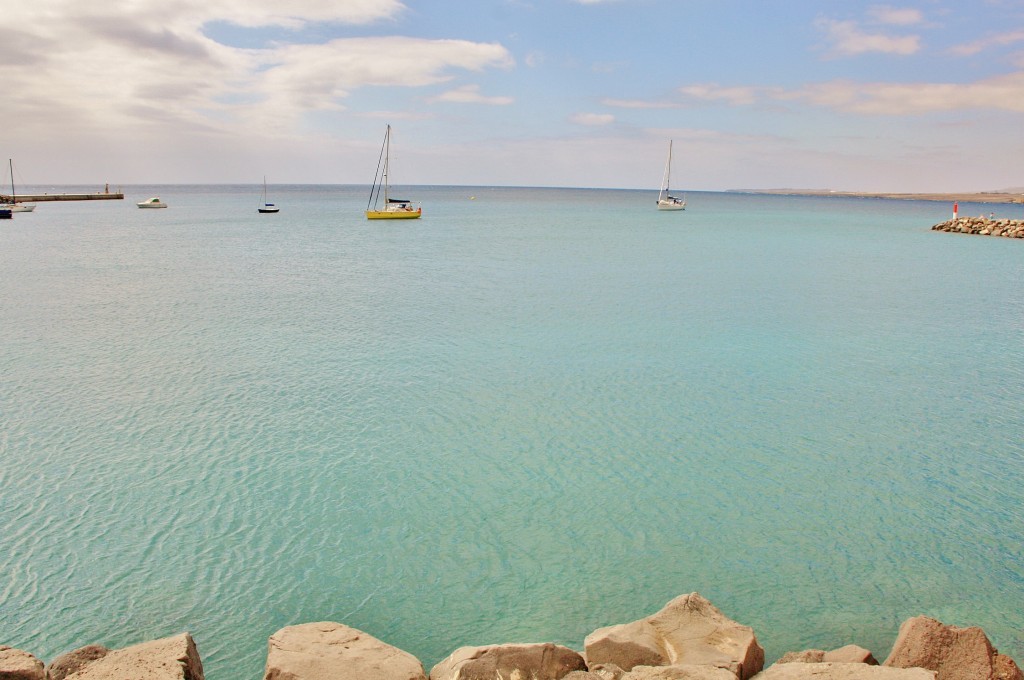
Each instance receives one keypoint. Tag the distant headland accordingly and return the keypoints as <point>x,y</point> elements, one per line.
<point>1004,196</point>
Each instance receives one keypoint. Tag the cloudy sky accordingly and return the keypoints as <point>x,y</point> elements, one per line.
<point>926,95</point>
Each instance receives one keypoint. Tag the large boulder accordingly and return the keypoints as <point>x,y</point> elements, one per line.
<point>332,651</point>
<point>540,661</point>
<point>16,664</point>
<point>73,661</point>
<point>173,658</point>
<point>842,671</point>
<point>688,630</point>
<point>953,653</point>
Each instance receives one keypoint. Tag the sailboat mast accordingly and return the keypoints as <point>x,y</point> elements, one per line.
<point>387,161</point>
<point>666,179</point>
<point>668,169</point>
<point>10,162</point>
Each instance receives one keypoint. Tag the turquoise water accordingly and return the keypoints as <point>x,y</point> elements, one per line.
<point>530,414</point>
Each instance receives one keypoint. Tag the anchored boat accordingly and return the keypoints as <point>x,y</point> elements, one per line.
<point>391,208</point>
<point>666,201</point>
<point>15,206</point>
<point>264,206</point>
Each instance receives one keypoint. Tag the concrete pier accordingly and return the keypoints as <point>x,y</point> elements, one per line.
<point>39,198</point>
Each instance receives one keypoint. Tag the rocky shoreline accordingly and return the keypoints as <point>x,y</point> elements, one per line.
<point>982,225</point>
<point>689,639</point>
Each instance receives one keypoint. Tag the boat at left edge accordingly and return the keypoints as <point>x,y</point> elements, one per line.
<point>15,205</point>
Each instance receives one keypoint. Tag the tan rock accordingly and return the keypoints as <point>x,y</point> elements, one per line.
<point>627,645</point>
<point>16,664</point>
<point>539,661</point>
<point>1005,669</point>
<point>607,671</point>
<point>806,656</point>
<point>688,630</point>
<point>679,672</point>
<point>842,671</point>
<point>953,653</point>
<point>851,654</point>
<point>66,664</point>
<point>173,658</point>
<point>333,651</point>
<point>847,654</point>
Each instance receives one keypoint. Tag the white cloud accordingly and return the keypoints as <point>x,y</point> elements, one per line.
<point>149,67</point>
<point>592,119</point>
<point>999,40</point>
<point>299,12</point>
<point>895,16</point>
<point>847,39</point>
<point>638,104</point>
<point>1004,93</point>
<point>534,59</point>
<point>470,94</point>
<point>734,96</point>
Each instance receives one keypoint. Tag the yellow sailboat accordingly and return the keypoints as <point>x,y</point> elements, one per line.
<point>392,208</point>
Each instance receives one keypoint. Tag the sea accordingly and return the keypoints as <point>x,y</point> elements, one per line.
<point>528,415</point>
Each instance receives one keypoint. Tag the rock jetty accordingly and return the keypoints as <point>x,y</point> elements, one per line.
<point>689,639</point>
<point>984,226</point>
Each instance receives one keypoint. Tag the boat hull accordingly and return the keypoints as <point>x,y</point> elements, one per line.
<point>671,205</point>
<point>394,214</point>
<point>268,209</point>
<point>21,207</point>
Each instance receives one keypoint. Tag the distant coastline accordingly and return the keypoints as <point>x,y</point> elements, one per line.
<point>967,197</point>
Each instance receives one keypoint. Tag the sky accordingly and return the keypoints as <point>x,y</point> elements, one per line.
<point>919,96</point>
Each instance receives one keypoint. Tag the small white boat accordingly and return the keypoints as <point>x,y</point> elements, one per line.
<point>666,201</point>
<point>154,202</point>
<point>265,207</point>
<point>392,208</point>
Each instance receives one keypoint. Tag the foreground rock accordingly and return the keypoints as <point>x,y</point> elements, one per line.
<point>847,654</point>
<point>542,661</point>
<point>688,630</point>
<point>66,664</point>
<point>332,651</point>
<point>18,665</point>
<point>684,671</point>
<point>953,653</point>
<point>842,671</point>
<point>173,658</point>
<point>983,226</point>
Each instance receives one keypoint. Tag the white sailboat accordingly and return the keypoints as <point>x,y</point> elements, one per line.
<point>392,208</point>
<point>264,206</point>
<point>666,201</point>
<point>14,205</point>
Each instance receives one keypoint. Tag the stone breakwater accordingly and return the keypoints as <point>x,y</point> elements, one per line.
<point>983,226</point>
<point>689,639</point>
